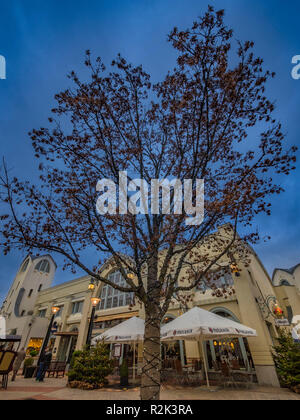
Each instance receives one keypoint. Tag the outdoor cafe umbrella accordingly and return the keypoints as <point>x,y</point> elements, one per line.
<point>200,325</point>
<point>130,331</point>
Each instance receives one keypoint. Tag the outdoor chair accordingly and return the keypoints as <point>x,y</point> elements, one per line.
<point>235,364</point>
<point>56,369</point>
<point>227,376</point>
<point>244,378</point>
<point>6,365</point>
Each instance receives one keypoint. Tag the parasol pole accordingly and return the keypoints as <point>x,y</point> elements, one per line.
<point>205,364</point>
<point>133,361</point>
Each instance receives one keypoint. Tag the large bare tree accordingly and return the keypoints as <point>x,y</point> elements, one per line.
<point>195,124</point>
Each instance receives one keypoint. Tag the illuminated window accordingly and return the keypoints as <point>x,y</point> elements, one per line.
<point>34,344</point>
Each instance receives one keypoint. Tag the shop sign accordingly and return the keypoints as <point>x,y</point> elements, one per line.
<point>282,323</point>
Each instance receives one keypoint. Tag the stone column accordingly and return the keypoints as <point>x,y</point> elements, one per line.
<point>260,346</point>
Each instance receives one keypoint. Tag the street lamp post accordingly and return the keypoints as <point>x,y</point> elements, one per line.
<point>54,311</point>
<point>95,301</point>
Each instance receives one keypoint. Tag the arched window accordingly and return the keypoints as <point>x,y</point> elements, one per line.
<point>284,283</point>
<point>43,266</point>
<point>113,298</point>
<point>24,266</point>
<point>220,279</point>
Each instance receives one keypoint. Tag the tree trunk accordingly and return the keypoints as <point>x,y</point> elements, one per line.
<point>150,384</point>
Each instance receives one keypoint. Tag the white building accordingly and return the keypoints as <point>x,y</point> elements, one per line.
<point>35,274</point>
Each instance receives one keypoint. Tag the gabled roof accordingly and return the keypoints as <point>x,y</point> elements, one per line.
<point>287,270</point>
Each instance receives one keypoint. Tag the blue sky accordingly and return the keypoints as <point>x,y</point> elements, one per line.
<point>43,41</point>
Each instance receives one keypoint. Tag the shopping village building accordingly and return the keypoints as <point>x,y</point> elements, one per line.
<point>27,310</point>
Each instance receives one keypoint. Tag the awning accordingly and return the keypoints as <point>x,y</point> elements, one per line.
<point>125,315</point>
<point>66,334</point>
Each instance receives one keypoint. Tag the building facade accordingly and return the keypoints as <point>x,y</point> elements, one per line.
<point>35,275</point>
<point>286,284</point>
<point>255,303</point>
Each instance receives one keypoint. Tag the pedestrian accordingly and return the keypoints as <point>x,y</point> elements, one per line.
<point>45,361</point>
<point>18,362</point>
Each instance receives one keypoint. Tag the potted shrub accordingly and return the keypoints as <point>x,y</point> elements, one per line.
<point>124,374</point>
<point>29,368</point>
<point>90,368</point>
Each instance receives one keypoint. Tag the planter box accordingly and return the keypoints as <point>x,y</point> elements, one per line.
<point>123,381</point>
<point>29,372</point>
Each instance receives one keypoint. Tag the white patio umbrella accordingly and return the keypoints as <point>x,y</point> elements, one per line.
<point>130,331</point>
<point>200,325</point>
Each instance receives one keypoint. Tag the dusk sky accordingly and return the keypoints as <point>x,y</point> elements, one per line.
<point>43,41</point>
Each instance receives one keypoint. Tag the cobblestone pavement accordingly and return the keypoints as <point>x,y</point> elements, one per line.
<point>55,389</point>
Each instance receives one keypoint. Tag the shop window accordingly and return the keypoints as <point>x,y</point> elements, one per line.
<point>34,344</point>
<point>234,352</point>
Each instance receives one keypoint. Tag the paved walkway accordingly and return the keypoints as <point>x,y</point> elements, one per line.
<point>55,389</point>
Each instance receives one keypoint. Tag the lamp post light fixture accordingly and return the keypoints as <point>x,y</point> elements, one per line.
<point>54,311</point>
<point>95,301</point>
<point>91,286</point>
<point>130,276</point>
<point>234,269</point>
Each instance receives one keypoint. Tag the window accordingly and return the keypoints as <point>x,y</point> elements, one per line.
<point>217,279</point>
<point>30,292</point>
<point>77,307</point>
<point>284,283</point>
<point>42,313</point>
<point>23,313</point>
<point>59,312</point>
<point>290,313</point>
<point>113,298</point>
<point>40,287</point>
<point>24,266</point>
<point>43,266</point>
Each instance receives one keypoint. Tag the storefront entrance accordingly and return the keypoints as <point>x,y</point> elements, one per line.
<point>234,352</point>
<point>174,350</point>
<point>67,346</point>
